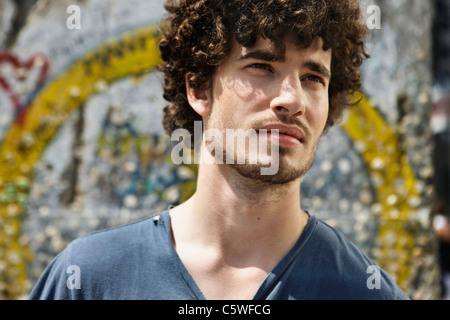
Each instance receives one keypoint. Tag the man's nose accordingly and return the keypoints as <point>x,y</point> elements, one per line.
<point>290,98</point>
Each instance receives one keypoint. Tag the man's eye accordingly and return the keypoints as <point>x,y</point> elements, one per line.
<point>315,79</point>
<point>261,66</point>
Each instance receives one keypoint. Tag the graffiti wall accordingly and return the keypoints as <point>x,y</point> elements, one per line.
<point>82,146</point>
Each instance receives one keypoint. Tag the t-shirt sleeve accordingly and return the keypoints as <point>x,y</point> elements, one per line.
<point>55,282</point>
<point>398,293</point>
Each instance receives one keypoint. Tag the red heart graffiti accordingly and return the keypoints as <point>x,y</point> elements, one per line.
<point>20,73</point>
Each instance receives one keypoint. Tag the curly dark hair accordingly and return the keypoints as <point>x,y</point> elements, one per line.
<point>197,36</point>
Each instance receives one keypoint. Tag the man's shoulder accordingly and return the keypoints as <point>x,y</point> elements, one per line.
<point>127,252</point>
<point>346,266</point>
<point>334,239</point>
<point>129,234</point>
<point>118,244</point>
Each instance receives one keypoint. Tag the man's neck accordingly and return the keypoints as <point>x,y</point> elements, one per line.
<point>228,211</point>
<point>230,234</point>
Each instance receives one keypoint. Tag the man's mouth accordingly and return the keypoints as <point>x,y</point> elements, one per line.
<point>287,135</point>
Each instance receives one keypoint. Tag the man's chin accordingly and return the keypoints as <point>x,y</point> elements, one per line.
<point>282,176</point>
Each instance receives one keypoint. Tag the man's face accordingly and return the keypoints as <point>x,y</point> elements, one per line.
<point>253,90</point>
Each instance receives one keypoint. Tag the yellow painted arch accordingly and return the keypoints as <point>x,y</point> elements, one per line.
<point>136,53</point>
<point>395,184</point>
<point>133,53</point>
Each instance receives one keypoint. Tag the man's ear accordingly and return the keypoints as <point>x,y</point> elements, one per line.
<point>199,99</point>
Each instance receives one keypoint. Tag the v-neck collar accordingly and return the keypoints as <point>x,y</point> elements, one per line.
<point>269,282</point>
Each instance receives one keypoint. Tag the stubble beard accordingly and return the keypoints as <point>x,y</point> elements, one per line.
<point>287,172</point>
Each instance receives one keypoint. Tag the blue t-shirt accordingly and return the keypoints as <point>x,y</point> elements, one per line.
<point>138,261</point>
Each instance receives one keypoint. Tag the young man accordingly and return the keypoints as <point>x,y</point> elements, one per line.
<point>286,70</point>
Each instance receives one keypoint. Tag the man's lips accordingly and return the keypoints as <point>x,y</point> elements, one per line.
<point>288,135</point>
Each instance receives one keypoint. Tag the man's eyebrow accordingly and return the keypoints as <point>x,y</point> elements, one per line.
<point>264,55</point>
<point>318,68</point>
<point>270,56</point>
